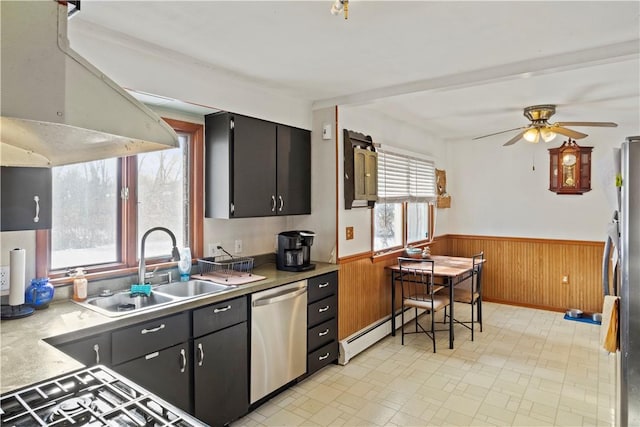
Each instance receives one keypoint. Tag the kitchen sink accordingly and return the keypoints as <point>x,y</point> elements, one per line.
<point>192,288</point>
<point>124,302</point>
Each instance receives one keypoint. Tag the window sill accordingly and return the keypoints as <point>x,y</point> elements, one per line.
<point>396,252</point>
<point>110,274</point>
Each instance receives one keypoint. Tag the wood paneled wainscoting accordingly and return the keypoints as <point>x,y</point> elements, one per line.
<point>529,272</point>
<point>518,271</point>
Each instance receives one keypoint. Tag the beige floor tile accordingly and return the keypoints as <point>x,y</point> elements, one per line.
<point>376,414</point>
<point>326,417</point>
<point>527,368</point>
<point>284,418</point>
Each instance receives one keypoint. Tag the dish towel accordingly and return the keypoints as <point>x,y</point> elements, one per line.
<point>609,328</point>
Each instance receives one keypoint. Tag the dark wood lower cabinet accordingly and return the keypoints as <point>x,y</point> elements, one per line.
<point>95,350</point>
<point>166,373</point>
<point>221,383</point>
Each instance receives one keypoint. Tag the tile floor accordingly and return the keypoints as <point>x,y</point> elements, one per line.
<point>527,368</point>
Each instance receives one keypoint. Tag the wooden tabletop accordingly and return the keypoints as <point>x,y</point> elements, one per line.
<point>444,265</point>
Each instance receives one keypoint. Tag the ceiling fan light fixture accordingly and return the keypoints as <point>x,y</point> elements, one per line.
<point>547,134</point>
<point>532,135</point>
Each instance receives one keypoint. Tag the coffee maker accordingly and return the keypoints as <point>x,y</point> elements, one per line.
<point>294,250</point>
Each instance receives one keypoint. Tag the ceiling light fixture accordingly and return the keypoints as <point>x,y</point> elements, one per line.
<point>547,134</point>
<point>534,134</point>
<point>340,6</point>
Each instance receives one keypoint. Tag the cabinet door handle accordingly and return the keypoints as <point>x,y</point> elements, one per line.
<point>200,354</point>
<point>183,360</point>
<point>37,217</point>
<point>273,203</point>
<point>96,348</point>
<point>281,203</point>
<point>324,356</point>
<point>325,332</point>
<point>223,309</point>
<point>323,285</point>
<point>152,330</point>
<point>152,355</point>
<point>323,309</point>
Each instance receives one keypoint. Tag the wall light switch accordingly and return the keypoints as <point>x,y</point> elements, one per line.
<point>349,233</point>
<point>565,280</point>
<point>326,131</point>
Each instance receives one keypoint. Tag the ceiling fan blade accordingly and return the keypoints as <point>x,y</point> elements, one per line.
<point>498,133</point>
<point>514,139</point>
<point>595,124</point>
<point>568,132</point>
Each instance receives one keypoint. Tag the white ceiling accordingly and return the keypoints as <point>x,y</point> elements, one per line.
<point>456,69</point>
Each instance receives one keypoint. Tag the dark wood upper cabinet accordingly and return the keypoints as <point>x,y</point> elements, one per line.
<point>293,171</point>
<point>255,168</point>
<point>26,198</point>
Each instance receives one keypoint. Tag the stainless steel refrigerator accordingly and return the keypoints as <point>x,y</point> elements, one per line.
<point>629,289</point>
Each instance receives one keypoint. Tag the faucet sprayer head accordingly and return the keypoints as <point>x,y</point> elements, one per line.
<point>175,253</point>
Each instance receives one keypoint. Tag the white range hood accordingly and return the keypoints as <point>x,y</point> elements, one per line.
<point>57,108</point>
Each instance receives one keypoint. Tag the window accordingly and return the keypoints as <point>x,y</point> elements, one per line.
<point>102,208</point>
<point>84,229</point>
<point>403,214</point>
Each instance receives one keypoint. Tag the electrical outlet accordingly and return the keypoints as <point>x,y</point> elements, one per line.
<point>238,247</point>
<point>349,233</point>
<point>213,249</point>
<point>4,278</point>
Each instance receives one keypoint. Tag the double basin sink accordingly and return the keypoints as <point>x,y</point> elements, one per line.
<point>124,302</point>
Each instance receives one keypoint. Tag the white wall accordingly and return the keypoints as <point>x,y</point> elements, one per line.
<point>322,220</point>
<point>496,192</point>
<point>383,130</point>
<point>158,71</point>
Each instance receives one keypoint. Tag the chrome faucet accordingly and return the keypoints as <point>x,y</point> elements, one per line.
<point>175,254</point>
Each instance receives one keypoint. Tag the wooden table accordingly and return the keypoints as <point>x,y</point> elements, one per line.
<point>453,270</point>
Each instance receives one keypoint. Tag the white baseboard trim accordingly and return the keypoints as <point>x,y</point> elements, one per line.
<point>366,337</point>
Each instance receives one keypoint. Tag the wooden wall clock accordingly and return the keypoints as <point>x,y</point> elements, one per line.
<point>570,168</point>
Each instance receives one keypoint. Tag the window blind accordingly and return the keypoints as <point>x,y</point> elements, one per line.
<point>405,178</point>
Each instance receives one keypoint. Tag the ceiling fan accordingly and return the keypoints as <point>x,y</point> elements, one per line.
<point>540,127</point>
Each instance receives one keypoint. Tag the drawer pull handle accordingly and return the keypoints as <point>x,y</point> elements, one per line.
<point>200,354</point>
<point>323,309</point>
<point>152,355</point>
<point>220,310</point>
<point>36,218</point>
<point>325,332</point>
<point>323,285</point>
<point>96,348</point>
<point>183,360</point>
<point>152,330</point>
<point>324,357</point>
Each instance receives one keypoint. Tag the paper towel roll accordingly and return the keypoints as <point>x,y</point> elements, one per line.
<point>17,265</point>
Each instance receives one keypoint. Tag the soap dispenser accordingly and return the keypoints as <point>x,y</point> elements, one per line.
<point>184,265</point>
<point>79,286</point>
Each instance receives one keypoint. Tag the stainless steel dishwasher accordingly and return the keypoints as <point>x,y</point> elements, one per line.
<point>278,337</point>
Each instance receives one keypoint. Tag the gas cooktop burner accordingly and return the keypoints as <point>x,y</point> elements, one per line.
<point>72,411</point>
<point>94,396</point>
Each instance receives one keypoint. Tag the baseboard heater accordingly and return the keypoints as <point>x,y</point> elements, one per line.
<point>366,337</point>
